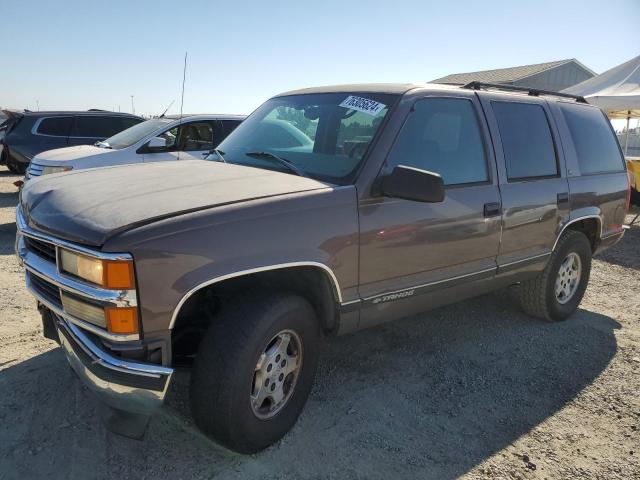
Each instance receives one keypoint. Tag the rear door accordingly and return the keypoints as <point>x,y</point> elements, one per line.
<point>533,183</point>
<point>408,248</point>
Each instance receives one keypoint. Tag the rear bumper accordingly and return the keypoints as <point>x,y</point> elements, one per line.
<point>127,386</point>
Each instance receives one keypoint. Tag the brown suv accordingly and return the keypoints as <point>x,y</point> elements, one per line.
<point>327,211</point>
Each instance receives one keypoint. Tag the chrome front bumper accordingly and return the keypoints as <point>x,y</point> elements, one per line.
<point>122,384</point>
<point>127,386</point>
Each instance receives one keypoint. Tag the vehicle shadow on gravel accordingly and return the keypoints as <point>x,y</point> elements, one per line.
<point>8,199</point>
<point>7,238</point>
<point>430,397</point>
<point>624,253</point>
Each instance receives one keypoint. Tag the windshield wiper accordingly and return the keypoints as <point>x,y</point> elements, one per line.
<point>102,144</point>
<point>283,161</point>
<point>218,153</point>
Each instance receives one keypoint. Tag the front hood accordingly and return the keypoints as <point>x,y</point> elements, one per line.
<point>89,206</point>
<point>59,156</point>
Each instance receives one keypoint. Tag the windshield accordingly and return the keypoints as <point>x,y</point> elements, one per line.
<point>325,136</point>
<point>128,137</point>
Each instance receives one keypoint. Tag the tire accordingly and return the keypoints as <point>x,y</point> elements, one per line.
<point>21,168</point>
<point>4,160</point>
<point>14,166</point>
<point>538,295</point>
<point>224,372</point>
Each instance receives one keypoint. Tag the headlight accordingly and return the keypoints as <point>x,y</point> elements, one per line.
<point>48,170</point>
<point>111,274</point>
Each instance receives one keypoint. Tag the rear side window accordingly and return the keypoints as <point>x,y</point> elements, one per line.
<point>230,126</point>
<point>95,126</point>
<point>526,140</point>
<point>127,122</point>
<point>596,146</point>
<point>442,135</point>
<point>55,126</point>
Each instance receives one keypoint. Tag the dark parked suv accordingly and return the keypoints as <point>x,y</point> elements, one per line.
<point>29,133</point>
<point>326,211</point>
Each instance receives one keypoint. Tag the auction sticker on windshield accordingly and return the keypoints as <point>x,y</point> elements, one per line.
<point>364,105</point>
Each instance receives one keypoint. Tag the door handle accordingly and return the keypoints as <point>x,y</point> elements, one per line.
<point>492,209</point>
<point>563,197</point>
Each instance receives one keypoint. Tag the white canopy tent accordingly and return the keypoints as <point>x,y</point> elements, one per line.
<point>616,91</point>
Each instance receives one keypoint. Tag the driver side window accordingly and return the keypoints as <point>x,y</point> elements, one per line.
<point>442,135</point>
<point>196,136</point>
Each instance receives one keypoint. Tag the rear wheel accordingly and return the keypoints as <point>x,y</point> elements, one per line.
<point>4,160</point>
<point>14,166</point>
<point>254,370</point>
<point>558,290</point>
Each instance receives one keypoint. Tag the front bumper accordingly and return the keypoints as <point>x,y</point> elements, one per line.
<point>123,384</point>
<point>127,386</point>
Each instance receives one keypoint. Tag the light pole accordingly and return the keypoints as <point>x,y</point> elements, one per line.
<point>133,110</point>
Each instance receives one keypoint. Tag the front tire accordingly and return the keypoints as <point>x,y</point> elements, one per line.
<point>558,290</point>
<point>254,370</point>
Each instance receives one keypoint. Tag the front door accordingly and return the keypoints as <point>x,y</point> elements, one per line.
<point>409,249</point>
<point>189,141</point>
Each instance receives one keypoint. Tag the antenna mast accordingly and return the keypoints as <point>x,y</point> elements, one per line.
<point>184,76</point>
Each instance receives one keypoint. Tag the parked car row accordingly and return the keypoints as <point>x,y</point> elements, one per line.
<point>160,139</point>
<point>326,211</point>
<point>28,133</point>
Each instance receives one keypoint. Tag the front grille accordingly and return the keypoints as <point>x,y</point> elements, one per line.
<point>48,290</point>
<point>34,170</point>
<point>42,249</point>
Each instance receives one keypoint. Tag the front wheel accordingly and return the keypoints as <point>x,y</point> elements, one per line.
<point>558,290</point>
<point>254,370</point>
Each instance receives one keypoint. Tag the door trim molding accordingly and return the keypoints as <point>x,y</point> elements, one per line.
<point>425,287</point>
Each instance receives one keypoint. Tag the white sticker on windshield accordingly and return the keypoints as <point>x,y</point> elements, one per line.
<point>364,105</point>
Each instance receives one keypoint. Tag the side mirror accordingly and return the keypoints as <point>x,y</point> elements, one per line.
<point>414,184</point>
<point>157,143</point>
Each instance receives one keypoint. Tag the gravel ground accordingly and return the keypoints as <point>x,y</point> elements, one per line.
<point>473,390</point>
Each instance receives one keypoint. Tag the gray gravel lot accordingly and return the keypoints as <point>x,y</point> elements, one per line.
<point>477,390</point>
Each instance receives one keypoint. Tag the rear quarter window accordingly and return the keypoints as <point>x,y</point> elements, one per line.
<point>230,125</point>
<point>595,144</point>
<point>55,126</point>
<point>94,126</point>
<point>128,122</point>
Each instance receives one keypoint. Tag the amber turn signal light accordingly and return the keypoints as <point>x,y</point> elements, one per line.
<point>118,275</point>
<point>122,319</point>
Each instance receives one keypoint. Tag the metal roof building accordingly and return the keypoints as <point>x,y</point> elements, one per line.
<point>553,76</point>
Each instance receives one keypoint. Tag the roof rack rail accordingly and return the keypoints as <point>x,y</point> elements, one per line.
<point>534,92</point>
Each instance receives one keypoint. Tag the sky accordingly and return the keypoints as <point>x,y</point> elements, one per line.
<point>80,54</point>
